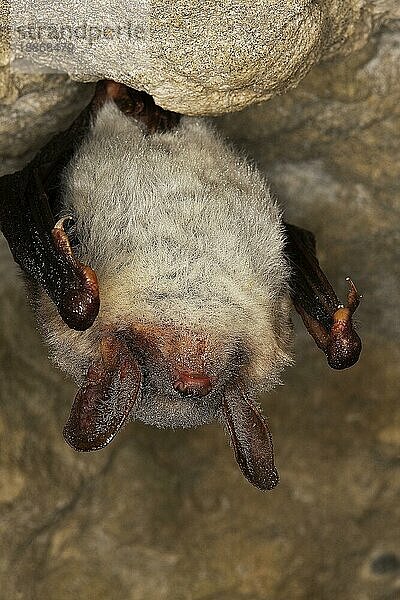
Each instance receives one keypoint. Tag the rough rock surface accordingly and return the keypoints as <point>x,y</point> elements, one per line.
<point>195,57</point>
<point>34,106</point>
<point>166,514</point>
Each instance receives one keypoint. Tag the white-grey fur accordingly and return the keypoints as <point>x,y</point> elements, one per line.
<point>182,231</point>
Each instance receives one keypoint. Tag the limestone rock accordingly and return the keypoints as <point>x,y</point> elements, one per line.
<point>36,105</point>
<point>195,57</point>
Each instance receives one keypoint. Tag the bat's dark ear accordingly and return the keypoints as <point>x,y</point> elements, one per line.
<point>328,321</point>
<point>105,400</point>
<point>250,438</point>
<point>30,201</point>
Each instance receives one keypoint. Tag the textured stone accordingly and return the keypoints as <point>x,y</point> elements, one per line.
<point>390,435</point>
<point>5,83</point>
<point>196,57</point>
<point>36,106</point>
<point>166,514</point>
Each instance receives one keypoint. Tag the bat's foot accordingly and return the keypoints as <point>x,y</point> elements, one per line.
<point>344,345</point>
<point>79,305</point>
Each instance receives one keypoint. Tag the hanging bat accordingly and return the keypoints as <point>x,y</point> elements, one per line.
<point>163,276</point>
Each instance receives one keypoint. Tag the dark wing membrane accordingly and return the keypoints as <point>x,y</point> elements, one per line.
<point>29,200</point>
<point>329,322</point>
<point>310,288</point>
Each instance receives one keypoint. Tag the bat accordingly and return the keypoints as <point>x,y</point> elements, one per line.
<point>163,276</point>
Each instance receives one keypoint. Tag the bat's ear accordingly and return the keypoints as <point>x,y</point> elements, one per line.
<point>328,321</point>
<point>105,400</point>
<point>30,201</point>
<point>250,438</point>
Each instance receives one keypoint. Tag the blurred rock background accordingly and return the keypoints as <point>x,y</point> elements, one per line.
<point>166,514</point>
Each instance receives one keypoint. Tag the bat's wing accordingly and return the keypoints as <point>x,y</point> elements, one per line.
<point>105,400</point>
<point>29,201</point>
<point>30,204</point>
<point>328,321</point>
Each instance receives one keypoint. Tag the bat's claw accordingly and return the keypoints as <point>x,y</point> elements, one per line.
<point>353,297</point>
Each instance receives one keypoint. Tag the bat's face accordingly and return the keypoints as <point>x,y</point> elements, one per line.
<point>184,373</point>
<point>185,367</point>
<point>174,375</point>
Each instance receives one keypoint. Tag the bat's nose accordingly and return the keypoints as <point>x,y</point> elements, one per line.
<point>194,384</point>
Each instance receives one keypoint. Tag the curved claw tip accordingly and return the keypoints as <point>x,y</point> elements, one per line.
<point>62,220</point>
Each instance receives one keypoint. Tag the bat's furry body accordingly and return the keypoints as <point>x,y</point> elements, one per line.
<point>168,301</point>
<point>183,235</point>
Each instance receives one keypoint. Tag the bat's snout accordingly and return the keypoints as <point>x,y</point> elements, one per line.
<point>192,384</point>
<point>181,363</point>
